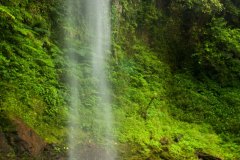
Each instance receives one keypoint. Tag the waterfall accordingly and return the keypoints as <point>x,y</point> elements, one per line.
<point>87,38</point>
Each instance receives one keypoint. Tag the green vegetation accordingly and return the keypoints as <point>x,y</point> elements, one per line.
<point>176,75</point>
<point>174,72</point>
<point>30,86</point>
<point>154,107</point>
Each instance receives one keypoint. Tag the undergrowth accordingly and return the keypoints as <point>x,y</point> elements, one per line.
<point>152,121</point>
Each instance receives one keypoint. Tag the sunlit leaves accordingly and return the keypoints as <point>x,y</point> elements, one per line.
<point>5,13</point>
<point>202,6</point>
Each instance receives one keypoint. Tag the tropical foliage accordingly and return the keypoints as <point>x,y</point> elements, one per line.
<point>174,71</point>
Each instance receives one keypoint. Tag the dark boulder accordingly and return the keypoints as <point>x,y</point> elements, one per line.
<point>17,136</point>
<point>5,148</point>
<point>205,156</point>
<point>25,139</point>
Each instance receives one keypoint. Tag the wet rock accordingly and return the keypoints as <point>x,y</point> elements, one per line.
<point>55,152</point>
<point>25,139</point>
<point>205,156</point>
<point>5,148</point>
<point>92,151</point>
<point>17,137</point>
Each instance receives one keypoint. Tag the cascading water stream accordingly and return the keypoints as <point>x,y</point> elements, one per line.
<point>88,23</point>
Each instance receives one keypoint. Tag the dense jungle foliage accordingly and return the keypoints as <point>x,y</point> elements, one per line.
<point>174,70</point>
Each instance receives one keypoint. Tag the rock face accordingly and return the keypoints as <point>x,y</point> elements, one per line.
<point>4,147</point>
<point>26,139</point>
<point>91,151</point>
<point>19,138</point>
<point>204,156</point>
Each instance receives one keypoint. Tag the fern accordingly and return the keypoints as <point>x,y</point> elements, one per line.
<point>5,11</point>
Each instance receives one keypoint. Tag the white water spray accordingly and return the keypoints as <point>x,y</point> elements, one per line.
<point>88,22</point>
